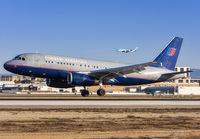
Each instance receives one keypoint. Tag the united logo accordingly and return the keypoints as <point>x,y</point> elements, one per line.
<point>171,51</point>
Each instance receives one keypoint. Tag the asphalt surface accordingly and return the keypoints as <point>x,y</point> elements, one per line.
<point>30,103</point>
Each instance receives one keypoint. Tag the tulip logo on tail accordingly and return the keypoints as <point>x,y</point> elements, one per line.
<point>171,51</point>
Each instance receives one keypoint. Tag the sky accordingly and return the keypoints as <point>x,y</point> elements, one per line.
<point>94,29</point>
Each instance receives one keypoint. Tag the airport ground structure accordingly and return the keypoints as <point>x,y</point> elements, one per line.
<point>22,83</point>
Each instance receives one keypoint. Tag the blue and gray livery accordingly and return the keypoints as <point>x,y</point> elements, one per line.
<point>65,72</point>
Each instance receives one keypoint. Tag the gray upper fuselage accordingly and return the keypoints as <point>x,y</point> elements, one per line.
<point>85,65</point>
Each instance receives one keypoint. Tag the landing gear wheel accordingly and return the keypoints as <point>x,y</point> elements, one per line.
<point>85,93</point>
<point>101,92</point>
<point>30,87</point>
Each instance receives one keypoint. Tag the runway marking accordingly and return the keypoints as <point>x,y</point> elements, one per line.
<point>100,102</point>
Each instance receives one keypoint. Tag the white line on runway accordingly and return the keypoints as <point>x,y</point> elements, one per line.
<point>96,102</point>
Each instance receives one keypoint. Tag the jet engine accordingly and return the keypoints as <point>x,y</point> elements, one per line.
<point>71,79</point>
<point>74,78</point>
<point>58,83</point>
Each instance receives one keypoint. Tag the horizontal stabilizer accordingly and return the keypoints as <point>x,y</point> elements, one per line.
<point>175,73</point>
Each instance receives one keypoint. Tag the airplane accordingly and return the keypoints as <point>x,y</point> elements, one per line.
<point>67,72</point>
<point>127,50</point>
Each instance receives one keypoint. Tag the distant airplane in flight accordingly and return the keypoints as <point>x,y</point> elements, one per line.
<point>66,72</point>
<point>127,50</point>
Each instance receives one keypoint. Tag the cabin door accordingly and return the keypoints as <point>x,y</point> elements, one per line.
<point>36,60</point>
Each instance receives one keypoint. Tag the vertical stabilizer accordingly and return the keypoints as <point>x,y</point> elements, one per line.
<point>167,58</point>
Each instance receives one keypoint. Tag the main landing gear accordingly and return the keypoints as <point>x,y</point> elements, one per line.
<point>84,93</point>
<point>100,92</point>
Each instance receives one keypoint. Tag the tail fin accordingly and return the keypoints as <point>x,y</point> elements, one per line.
<point>136,48</point>
<point>168,56</point>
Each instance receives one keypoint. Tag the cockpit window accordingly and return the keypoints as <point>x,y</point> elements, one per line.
<point>15,58</point>
<point>19,58</point>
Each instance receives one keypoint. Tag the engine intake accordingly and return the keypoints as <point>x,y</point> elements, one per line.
<point>69,78</point>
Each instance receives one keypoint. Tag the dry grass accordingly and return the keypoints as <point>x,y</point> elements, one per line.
<point>92,123</point>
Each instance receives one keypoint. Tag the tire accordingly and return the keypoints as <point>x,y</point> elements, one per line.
<point>101,92</point>
<point>30,87</point>
<point>85,93</point>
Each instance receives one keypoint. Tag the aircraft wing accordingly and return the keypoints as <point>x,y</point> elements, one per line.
<point>109,74</point>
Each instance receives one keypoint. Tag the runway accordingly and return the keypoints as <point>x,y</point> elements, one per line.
<point>47,104</point>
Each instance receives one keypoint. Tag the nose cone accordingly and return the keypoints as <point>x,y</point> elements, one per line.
<point>7,66</point>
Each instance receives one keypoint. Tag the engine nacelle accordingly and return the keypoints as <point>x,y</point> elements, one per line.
<point>58,83</point>
<point>74,78</point>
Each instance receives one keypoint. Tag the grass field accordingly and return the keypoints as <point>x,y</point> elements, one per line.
<point>100,123</point>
